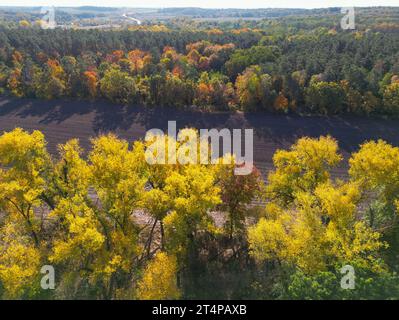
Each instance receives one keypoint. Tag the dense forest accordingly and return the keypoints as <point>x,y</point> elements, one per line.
<point>303,64</point>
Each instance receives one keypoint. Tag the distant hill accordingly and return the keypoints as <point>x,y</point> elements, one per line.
<point>93,8</point>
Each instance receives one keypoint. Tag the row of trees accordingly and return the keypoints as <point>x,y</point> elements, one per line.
<point>184,80</point>
<point>85,217</point>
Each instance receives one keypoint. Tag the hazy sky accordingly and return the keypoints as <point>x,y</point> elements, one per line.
<point>205,3</point>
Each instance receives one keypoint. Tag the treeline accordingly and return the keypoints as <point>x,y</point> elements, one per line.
<point>115,227</point>
<point>323,71</point>
<point>62,42</point>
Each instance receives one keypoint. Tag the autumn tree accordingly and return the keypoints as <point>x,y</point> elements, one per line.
<point>324,97</point>
<point>306,165</point>
<point>118,86</point>
<point>254,89</point>
<point>391,98</point>
<point>214,90</point>
<point>376,168</point>
<point>237,193</point>
<point>138,60</point>
<point>20,262</point>
<point>21,189</point>
<point>159,281</point>
<point>312,225</point>
<point>93,242</point>
<point>14,82</point>
<point>281,103</point>
<point>177,198</point>
<point>319,229</point>
<point>91,83</point>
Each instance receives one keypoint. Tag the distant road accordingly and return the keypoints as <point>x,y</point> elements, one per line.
<point>130,18</point>
<point>101,26</point>
<point>62,120</point>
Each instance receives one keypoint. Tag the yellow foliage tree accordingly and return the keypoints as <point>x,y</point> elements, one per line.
<point>301,168</point>
<point>310,221</point>
<point>19,262</point>
<point>320,229</point>
<point>159,280</point>
<point>376,167</point>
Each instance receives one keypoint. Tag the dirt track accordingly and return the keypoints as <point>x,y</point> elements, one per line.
<point>62,120</point>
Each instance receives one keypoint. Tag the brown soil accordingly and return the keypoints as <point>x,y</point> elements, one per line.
<point>61,120</point>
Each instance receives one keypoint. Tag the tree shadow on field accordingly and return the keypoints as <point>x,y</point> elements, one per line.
<point>271,131</point>
<point>49,111</point>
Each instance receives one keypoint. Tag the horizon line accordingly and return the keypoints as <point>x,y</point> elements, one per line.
<point>193,7</point>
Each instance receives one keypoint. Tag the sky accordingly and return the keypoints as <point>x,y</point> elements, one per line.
<point>204,3</point>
